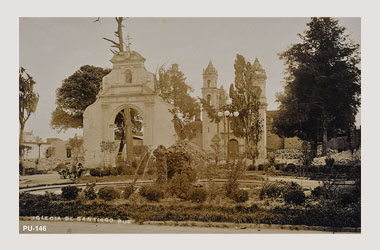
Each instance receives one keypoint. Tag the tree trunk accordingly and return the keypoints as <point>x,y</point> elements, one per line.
<point>128,135</point>
<point>21,150</point>
<point>120,33</point>
<point>324,141</point>
<point>121,145</point>
<point>314,148</point>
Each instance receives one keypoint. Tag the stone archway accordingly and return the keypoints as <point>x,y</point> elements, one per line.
<point>128,132</point>
<point>115,96</point>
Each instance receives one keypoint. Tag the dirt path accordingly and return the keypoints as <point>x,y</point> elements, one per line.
<point>54,227</point>
<point>305,183</point>
<point>41,179</point>
<point>38,184</point>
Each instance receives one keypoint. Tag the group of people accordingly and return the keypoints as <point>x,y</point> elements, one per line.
<point>74,171</point>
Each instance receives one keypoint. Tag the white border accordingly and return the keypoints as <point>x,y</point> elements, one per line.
<point>191,8</point>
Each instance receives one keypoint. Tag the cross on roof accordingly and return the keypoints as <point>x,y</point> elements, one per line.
<point>128,41</point>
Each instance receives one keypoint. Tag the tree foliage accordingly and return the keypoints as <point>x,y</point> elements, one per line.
<point>28,100</point>
<point>245,95</point>
<point>211,111</point>
<point>77,92</point>
<point>76,145</point>
<point>322,84</point>
<point>172,87</point>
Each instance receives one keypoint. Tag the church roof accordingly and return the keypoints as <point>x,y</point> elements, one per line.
<point>127,56</point>
<point>258,68</point>
<point>257,65</point>
<point>210,69</point>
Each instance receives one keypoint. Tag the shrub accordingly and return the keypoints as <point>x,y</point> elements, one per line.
<point>70,192</point>
<point>278,188</point>
<point>108,193</point>
<point>266,167</point>
<point>279,166</point>
<point>89,192</point>
<point>33,171</point>
<point>113,171</point>
<point>240,195</point>
<point>198,195</point>
<point>294,196</point>
<point>96,172</point>
<point>106,171</point>
<point>125,170</point>
<point>251,167</point>
<point>234,173</point>
<point>180,186</point>
<point>313,169</point>
<point>128,191</point>
<point>318,191</point>
<point>213,191</point>
<point>230,188</point>
<point>271,190</point>
<point>290,168</point>
<point>346,198</point>
<point>152,192</point>
<point>272,160</point>
<point>329,162</point>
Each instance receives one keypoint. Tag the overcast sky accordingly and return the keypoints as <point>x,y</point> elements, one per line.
<point>51,49</point>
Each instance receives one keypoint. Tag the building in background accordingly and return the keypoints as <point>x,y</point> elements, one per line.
<point>53,148</point>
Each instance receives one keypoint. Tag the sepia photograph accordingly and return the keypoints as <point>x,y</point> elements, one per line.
<point>189,125</point>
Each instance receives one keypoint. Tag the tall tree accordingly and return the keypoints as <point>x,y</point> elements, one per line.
<point>28,100</point>
<point>322,91</point>
<point>172,87</point>
<point>77,92</point>
<point>76,144</point>
<point>245,95</point>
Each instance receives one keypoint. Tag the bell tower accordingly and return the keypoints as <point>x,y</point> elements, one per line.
<point>210,82</point>
<point>216,97</point>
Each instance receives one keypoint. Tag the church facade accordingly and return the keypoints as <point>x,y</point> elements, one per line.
<point>232,146</point>
<point>129,86</point>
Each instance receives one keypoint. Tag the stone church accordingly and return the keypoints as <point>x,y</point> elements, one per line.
<point>232,146</point>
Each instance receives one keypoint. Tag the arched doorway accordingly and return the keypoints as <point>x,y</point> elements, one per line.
<point>128,133</point>
<point>233,149</point>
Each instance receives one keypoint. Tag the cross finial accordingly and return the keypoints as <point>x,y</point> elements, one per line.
<point>129,42</point>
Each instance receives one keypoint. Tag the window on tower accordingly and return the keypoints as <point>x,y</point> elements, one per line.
<point>208,83</point>
<point>209,99</point>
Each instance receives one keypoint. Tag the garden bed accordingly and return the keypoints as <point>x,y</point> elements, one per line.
<point>312,214</point>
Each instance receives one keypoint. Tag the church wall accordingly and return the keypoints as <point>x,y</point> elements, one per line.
<point>92,135</point>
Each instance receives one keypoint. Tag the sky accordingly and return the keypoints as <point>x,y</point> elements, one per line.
<point>51,49</point>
